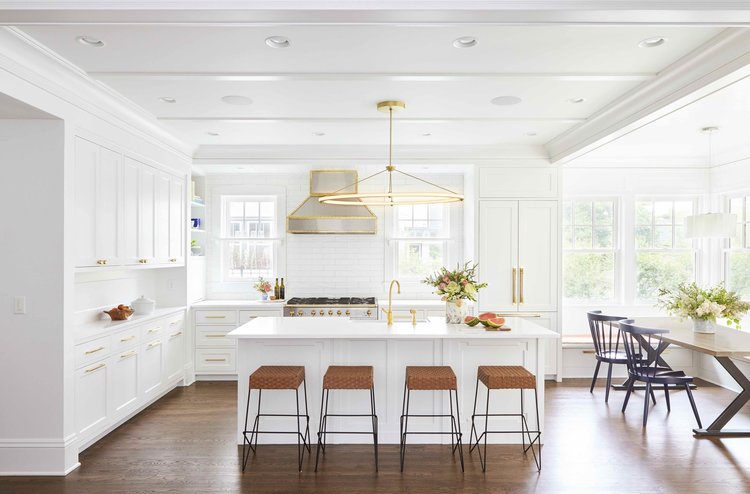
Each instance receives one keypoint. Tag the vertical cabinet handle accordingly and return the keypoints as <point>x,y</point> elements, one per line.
<point>520,286</point>
<point>513,285</point>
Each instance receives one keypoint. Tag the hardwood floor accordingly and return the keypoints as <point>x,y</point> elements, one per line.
<point>184,443</point>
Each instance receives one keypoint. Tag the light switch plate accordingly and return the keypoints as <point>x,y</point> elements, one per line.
<point>19,305</point>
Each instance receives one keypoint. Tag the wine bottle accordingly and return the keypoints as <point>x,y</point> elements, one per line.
<point>277,290</point>
<point>282,290</point>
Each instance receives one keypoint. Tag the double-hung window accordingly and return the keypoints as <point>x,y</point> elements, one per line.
<point>421,237</point>
<point>664,257</point>
<point>590,251</point>
<point>248,237</point>
<point>737,256</point>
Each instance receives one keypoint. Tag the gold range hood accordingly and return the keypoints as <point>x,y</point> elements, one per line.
<point>313,216</point>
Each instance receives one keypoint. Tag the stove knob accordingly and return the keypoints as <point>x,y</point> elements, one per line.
<point>330,312</point>
<point>338,312</point>
<point>312,312</point>
<point>348,312</point>
<point>369,312</point>
<point>292,313</point>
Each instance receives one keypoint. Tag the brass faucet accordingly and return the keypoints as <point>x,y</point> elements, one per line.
<point>389,312</point>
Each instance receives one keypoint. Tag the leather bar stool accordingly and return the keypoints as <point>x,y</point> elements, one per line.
<point>431,378</point>
<point>276,377</point>
<point>341,377</point>
<point>506,377</point>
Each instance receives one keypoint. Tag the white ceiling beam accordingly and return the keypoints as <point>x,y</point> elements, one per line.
<point>407,121</point>
<point>406,12</point>
<point>722,61</point>
<point>335,76</point>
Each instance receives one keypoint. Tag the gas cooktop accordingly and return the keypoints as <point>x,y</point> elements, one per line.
<point>351,307</point>
<point>332,302</point>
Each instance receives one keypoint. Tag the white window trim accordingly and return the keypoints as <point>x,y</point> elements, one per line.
<point>725,246</point>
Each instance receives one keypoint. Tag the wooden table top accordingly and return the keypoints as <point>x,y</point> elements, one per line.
<point>726,342</point>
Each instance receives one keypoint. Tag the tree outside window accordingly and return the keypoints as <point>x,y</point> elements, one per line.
<point>737,256</point>
<point>420,239</point>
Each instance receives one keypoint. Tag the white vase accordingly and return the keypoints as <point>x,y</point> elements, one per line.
<point>456,311</point>
<point>704,326</point>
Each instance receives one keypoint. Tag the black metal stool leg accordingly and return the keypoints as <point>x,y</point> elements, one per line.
<point>459,440</point>
<point>300,446</point>
<point>307,419</point>
<point>473,432</point>
<point>406,427</point>
<point>244,433</point>
<point>374,425</point>
<point>483,457</point>
<point>320,428</point>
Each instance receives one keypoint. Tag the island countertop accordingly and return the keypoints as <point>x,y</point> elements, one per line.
<point>336,328</point>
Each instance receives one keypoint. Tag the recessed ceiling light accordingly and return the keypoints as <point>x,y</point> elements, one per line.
<point>652,42</point>
<point>168,99</point>
<point>90,41</point>
<point>427,134</point>
<point>212,133</point>
<point>506,100</point>
<point>709,129</point>
<point>319,134</point>
<point>277,42</point>
<point>530,134</point>
<point>465,42</point>
<point>236,99</point>
<point>577,100</point>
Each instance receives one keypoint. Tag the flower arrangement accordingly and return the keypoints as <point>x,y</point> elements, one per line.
<point>709,304</point>
<point>457,285</point>
<point>263,286</point>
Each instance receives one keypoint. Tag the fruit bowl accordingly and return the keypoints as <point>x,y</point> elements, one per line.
<point>119,313</point>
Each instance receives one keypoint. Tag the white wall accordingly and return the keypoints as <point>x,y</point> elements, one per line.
<point>329,265</point>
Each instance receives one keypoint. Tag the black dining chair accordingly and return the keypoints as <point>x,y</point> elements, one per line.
<point>648,341</point>
<point>607,345</point>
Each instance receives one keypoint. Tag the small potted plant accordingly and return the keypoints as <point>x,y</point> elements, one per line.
<point>263,287</point>
<point>454,287</point>
<point>703,305</point>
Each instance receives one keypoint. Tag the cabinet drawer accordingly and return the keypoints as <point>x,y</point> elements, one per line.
<point>126,339</point>
<point>92,351</point>
<point>220,360</point>
<point>153,330</point>
<point>213,336</point>
<point>248,315</point>
<point>175,323</point>
<point>216,317</point>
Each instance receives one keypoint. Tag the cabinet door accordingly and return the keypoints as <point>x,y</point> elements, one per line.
<point>537,253</point>
<point>151,368</point>
<point>130,185</point>
<point>124,389</point>
<point>549,321</point>
<point>161,218</point>
<point>146,213</point>
<point>84,201</point>
<point>177,223</point>
<point>175,355</point>
<point>498,255</point>
<point>107,200</point>
<point>91,398</point>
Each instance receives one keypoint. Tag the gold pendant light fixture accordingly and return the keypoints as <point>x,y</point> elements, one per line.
<point>436,194</point>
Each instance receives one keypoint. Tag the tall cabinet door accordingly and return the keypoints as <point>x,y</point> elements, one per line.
<point>146,213</point>
<point>131,177</point>
<point>161,217</point>
<point>498,254</point>
<point>177,223</point>
<point>84,201</point>
<point>537,255</point>
<point>107,201</point>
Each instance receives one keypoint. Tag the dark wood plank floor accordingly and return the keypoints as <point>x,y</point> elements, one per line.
<point>184,443</point>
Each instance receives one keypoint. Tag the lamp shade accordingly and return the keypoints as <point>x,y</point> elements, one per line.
<point>711,225</point>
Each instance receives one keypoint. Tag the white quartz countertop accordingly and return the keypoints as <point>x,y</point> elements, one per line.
<point>315,328</point>
<point>240,304</point>
<point>92,330</point>
<point>413,303</point>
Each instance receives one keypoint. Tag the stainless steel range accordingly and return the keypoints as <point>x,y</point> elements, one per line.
<point>353,307</point>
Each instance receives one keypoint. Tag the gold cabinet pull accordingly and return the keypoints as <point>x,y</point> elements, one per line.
<point>129,354</point>
<point>173,335</point>
<point>174,259</point>
<point>154,343</point>
<point>143,261</point>
<point>215,335</point>
<point>520,286</point>
<point>216,360</point>
<point>153,330</point>
<point>513,285</point>
<point>215,317</point>
<point>99,349</point>
<point>96,367</point>
<point>128,338</point>
<point>518,314</point>
<point>101,262</point>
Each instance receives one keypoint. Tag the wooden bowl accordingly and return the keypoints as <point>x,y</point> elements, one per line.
<point>119,314</point>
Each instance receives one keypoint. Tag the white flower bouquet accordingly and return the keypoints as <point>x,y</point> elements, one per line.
<point>460,284</point>
<point>709,304</point>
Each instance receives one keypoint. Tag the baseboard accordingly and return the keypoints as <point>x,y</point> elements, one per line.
<point>49,456</point>
<point>216,377</point>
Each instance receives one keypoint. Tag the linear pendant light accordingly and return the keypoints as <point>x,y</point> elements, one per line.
<point>437,194</point>
<point>709,225</point>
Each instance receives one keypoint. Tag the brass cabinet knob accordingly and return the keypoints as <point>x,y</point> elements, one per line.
<point>143,261</point>
<point>174,259</point>
<point>101,262</point>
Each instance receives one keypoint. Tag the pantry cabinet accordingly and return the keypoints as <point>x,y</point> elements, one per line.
<point>127,212</point>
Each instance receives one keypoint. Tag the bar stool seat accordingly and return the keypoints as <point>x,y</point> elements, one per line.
<point>506,377</point>
<point>348,377</point>
<point>430,378</point>
<point>277,377</point>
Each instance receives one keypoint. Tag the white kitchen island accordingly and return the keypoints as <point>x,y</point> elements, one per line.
<point>317,343</point>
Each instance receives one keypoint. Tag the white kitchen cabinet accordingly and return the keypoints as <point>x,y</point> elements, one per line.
<point>518,255</point>
<point>130,188</point>
<point>151,362</point>
<point>177,223</point>
<point>174,351</point>
<point>146,214</point>
<point>124,389</point>
<point>96,204</point>
<point>161,217</point>
<point>91,398</point>
<point>518,182</point>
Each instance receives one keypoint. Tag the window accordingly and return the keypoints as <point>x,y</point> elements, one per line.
<point>589,251</point>
<point>737,256</point>
<point>247,237</point>
<point>664,257</point>
<point>421,236</point>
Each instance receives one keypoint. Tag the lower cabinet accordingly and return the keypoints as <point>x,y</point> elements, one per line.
<point>174,351</point>
<point>151,366</point>
<point>124,370</point>
<point>92,412</point>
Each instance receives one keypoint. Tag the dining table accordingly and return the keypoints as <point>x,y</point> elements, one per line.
<point>727,346</point>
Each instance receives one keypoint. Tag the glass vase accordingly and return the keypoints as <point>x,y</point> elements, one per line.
<point>704,326</point>
<point>264,295</point>
<point>456,311</point>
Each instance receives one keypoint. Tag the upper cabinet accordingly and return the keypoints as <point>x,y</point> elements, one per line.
<point>127,212</point>
<point>518,182</point>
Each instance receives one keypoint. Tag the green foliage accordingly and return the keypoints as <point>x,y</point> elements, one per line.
<point>658,270</point>
<point>588,276</point>
<point>738,272</point>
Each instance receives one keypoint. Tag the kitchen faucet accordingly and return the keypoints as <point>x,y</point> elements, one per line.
<point>389,312</point>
